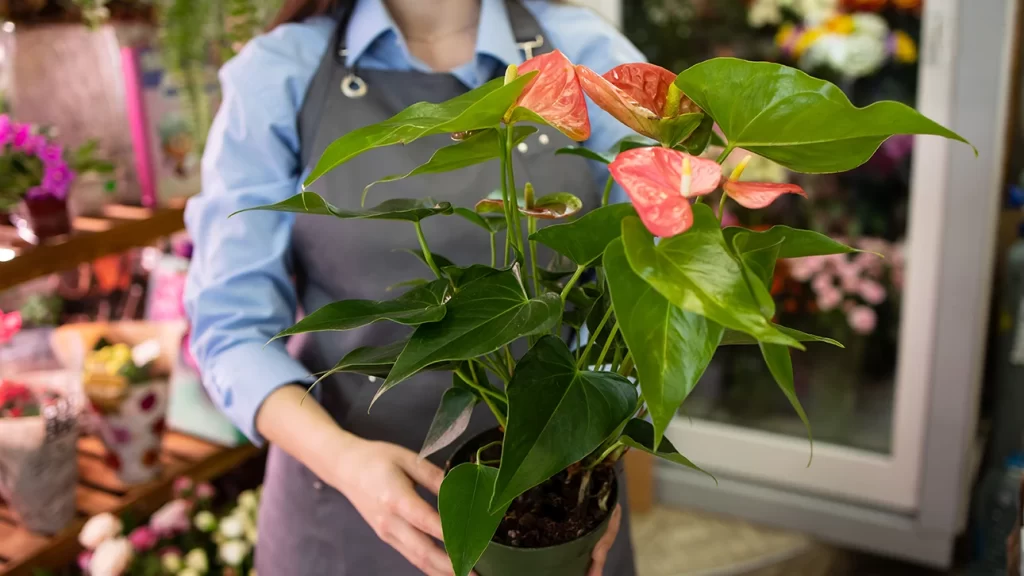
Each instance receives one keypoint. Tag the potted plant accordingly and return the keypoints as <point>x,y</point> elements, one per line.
<point>656,310</point>
<point>35,176</point>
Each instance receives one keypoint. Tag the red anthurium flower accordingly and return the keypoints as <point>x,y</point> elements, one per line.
<point>755,195</point>
<point>638,96</point>
<point>661,181</point>
<point>555,95</point>
<point>10,324</point>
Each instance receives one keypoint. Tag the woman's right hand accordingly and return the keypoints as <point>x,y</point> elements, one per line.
<point>379,479</point>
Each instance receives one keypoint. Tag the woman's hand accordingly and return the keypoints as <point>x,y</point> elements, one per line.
<point>378,479</point>
<point>605,544</point>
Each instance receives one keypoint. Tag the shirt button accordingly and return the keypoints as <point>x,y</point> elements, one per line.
<point>543,139</point>
<point>522,147</point>
<point>318,485</point>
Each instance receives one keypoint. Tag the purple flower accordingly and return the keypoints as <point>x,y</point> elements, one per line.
<point>36,192</point>
<point>22,135</point>
<point>6,129</point>
<point>57,179</point>
<point>50,154</point>
<point>143,539</point>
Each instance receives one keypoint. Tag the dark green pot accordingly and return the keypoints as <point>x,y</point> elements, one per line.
<point>569,559</point>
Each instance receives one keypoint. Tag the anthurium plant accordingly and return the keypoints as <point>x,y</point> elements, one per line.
<point>657,284</point>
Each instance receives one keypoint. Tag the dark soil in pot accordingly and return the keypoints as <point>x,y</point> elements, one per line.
<point>550,514</point>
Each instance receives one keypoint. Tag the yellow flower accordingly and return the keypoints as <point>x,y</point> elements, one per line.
<point>841,24</point>
<point>806,41</point>
<point>904,50</point>
<point>785,35</point>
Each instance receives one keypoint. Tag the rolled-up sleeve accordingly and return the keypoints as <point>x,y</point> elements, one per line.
<point>240,292</point>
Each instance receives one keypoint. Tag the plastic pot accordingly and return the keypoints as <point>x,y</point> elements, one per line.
<point>568,559</point>
<point>39,219</point>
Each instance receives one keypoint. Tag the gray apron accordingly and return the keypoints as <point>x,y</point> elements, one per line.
<point>305,526</point>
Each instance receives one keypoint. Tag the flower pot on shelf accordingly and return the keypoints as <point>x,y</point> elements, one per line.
<point>38,455</point>
<point>43,218</point>
<point>571,558</point>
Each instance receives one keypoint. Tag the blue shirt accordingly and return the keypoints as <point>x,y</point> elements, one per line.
<point>239,292</point>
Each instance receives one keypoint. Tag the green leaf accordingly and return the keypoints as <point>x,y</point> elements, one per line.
<point>698,142</point>
<point>697,272</point>
<point>671,347</point>
<point>801,122</point>
<point>557,415</point>
<point>491,225</point>
<point>483,107</point>
<point>584,240</point>
<point>587,153</point>
<point>733,338</point>
<point>640,434</point>
<point>395,209</point>
<point>461,276</point>
<point>481,317</point>
<point>414,283</point>
<point>467,521</point>
<point>675,130</point>
<point>759,268</point>
<point>781,366</point>
<point>477,149</point>
<point>450,420</point>
<point>377,361</point>
<point>419,305</point>
<point>439,260</point>
<point>550,207</point>
<point>795,243</point>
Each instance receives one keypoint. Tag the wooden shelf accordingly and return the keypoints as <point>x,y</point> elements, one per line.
<point>22,553</point>
<point>119,228</point>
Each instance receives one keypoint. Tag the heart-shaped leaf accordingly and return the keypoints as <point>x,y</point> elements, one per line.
<point>734,338</point>
<point>490,224</point>
<point>759,267</point>
<point>450,420</point>
<point>697,272</point>
<point>377,361</point>
<point>557,415</point>
<point>639,434</point>
<point>395,209</point>
<point>584,240</point>
<point>801,122</point>
<point>481,147</point>
<point>549,207</point>
<point>795,243</point>
<point>671,347</point>
<point>467,520</point>
<point>461,276</point>
<point>781,366</point>
<point>414,283</point>
<point>698,142</point>
<point>481,317</point>
<point>480,108</point>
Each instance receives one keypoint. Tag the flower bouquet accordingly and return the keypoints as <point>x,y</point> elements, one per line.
<point>658,284</point>
<point>36,175</point>
<point>39,415</point>
<point>125,369</point>
<point>185,537</point>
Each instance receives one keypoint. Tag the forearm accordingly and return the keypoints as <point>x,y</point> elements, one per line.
<point>302,428</point>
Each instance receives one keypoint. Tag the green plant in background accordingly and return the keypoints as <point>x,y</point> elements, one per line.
<point>42,310</point>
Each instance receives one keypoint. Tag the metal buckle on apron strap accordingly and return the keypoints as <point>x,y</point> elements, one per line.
<point>529,46</point>
<point>352,86</point>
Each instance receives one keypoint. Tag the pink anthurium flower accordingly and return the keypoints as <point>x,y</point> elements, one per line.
<point>10,324</point>
<point>661,181</point>
<point>642,96</point>
<point>756,195</point>
<point>554,95</point>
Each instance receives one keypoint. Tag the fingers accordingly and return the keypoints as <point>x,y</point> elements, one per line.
<point>419,514</point>
<point>424,472</point>
<point>418,549</point>
<point>600,554</point>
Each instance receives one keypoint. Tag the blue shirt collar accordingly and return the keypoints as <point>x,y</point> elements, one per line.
<point>371,22</point>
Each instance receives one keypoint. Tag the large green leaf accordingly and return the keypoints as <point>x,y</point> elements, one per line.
<point>377,361</point>
<point>697,272</point>
<point>671,347</point>
<point>584,240</point>
<point>482,316</point>
<point>476,149</point>
<point>793,242</point>
<point>395,209</point>
<point>419,305</point>
<point>467,521</point>
<point>557,415</point>
<point>759,268</point>
<point>450,420</point>
<point>483,107</point>
<point>461,276</point>
<point>781,366</point>
<point>734,338</point>
<point>801,122</point>
<point>698,142</point>
<point>640,434</point>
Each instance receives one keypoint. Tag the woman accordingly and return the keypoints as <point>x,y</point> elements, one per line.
<point>341,493</point>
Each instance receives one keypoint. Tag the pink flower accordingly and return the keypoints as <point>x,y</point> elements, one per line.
<point>10,324</point>
<point>829,299</point>
<point>862,319</point>
<point>756,195</point>
<point>205,491</point>
<point>57,179</point>
<point>143,539</point>
<point>555,95</point>
<point>802,269</point>
<point>51,154</point>
<point>872,292</point>
<point>22,135</point>
<point>850,280</point>
<point>822,282</point>
<point>35,144</point>
<point>83,560</point>
<point>6,129</point>
<point>182,486</point>
<point>171,519</point>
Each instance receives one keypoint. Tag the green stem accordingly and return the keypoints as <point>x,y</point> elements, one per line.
<point>426,251</point>
<point>531,227</point>
<point>721,206</point>
<point>506,203</point>
<point>494,251</point>
<point>607,345</point>
<point>512,192</point>
<point>627,365</point>
<point>572,282</point>
<point>511,361</point>
<point>593,337</point>
<point>498,415</point>
<point>607,452</point>
<point>495,367</point>
<point>608,191</point>
<point>725,154</point>
<point>479,457</point>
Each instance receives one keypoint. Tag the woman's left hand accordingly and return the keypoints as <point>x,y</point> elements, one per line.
<point>605,544</point>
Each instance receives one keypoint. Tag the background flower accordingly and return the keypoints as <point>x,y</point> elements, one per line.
<point>99,529</point>
<point>111,558</point>
<point>143,539</point>
<point>171,519</point>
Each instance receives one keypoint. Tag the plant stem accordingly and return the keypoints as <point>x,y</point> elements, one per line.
<point>608,190</point>
<point>509,228</point>
<point>721,206</point>
<point>531,227</point>
<point>627,365</point>
<point>593,337</point>
<point>494,251</point>
<point>584,484</point>
<point>725,154</point>
<point>426,251</point>
<point>511,361</point>
<point>486,398</point>
<point>607,345</point>
<point>572,282</point>
<point>488,363</point>
<point>515,225</point>
<point>479,453</point>
<point>607,452</point>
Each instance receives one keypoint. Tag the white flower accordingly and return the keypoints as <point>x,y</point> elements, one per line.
<point>247,501</point>
<point>764,13</point>
<point>205,521</point>
<point>188,572</point>
<point>111,558</point>
<point>871,24</point>
<point>857,56</point>
<point>251,534</point>
<point>171,562</point>
<point>232,527</point>
<point>233,552</point>
<point>196,560</point>
<point>98,529</point>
